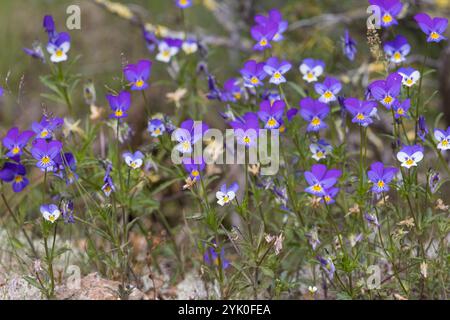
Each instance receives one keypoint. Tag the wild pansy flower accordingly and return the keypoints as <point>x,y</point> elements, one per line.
<point>372,220</point>
<point>65,167</point>
<point>231,90</point>
<point>312,69</point>
<point>35,52</point>
<point>108,184</point>
<point>410,76</point>
<point>320,179</point>
<point>50,212</point>
<point>320,149</point>
<point>401,108</point>
<point>49,26</point>
<point>46,127</point>
<point>137,74</point>
<point>45,153</point>
<point>409,156</point>
<point>150,39</point>
<point>156,127</point>
<point>271,114</point>
<point>59,47</point>
<point>314,112</point>
<point>313,238</point>
<point>167,49</point>
<point>397,49</point>
<point>328,266</point>
<point>226,195</point>
<point>386,91</point>
<point>263,34</point>
<point>119,104</point>
<point>183,4</point>
<point>328,90</point>
<point>276,69</point>
<point>274,16</point>
<point>188,134</point>
<point>443,138</point>
<point>211,257</point>
<point>349,46</point>
<point>422,128</point>
<point>214,91</point>
<point>433,180</point>
<point>246,129</point>
<point>389,10</point>
<point>67,211</point>
<point>253,73</point>
<point>381,176</point>
<point>194,167</point>
<point>133,160</point>
<point>14,173</point>
<point>15,141</point>
<point>434,28</point>
<point>330,195</point>
<point>190,46</point>
<point>361,110</point>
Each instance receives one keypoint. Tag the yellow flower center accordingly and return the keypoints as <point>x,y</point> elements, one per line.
<point>107,189</point>
<point>51,218</point>
<point>444,142</point>
<point>380,184</point>
<point>166,53</point>
<point>317,188</point>
<point>139,83</point>
<point>237,95</point>
<point>118,113</point>
<point>387,18</point>
<point>246,139</point>
<point>319,154</point>
<point>226,199</point>
<point>388,99</point>
<point>254,80</point>
<point>327,199</point>
<point>59,53</point>
<point>157,131</point>
<point>397,56</point>
<point>15,150</point>
<point>195,173</point>
<point>310,75</point>
<point>315,121</point>
<point>277,75</point>
<point>409,162</point>
<point>183,2</point>
<point>263,42</point>
<point>360,116</point>
<point>18,179</point>
<point>328,95</point>
<point>272,122</point>
<point>400,111</point>
<point>409,81</point>
<point>434,35</point>
<point>44,134</point>
<point>186,145</point>
<point>46,160</point>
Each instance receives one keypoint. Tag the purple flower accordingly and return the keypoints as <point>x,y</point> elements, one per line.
<point>275,17</point>
<point>409,156</point>
<point>133,160</point>
<point>50,212</point>
<point>389,10</point>
<point>65,167</point>
<point>401,108</point>
<point>226,195</point>
<point>276,68</point>
<point>386,91</point>
<point>327,266</point>
<point>183,4</point>
<point>397,49</point>
<point>156,127</point>
<point>108,184</point>
<point>194,167</point>
<point>434,28</point>
<point>190,46</point>
<point>58,47</point>
<point>312,69</point>
<point>231,90</point>
<point>15,173</point>
<point>212,258</point>
<point>410,76</point>
<point>67,211</point>
<point>314,112</point>
<point>372,220</point>
<point>214,91</point>
<point>349,46</point>
<point>49,26</point>
<point>443,138</point>
<point>168,48</point>
<point>246,129</point>
<point>35,52</point>
<point>320,150</point>
<point>150,39</point>
<point>46,127</point>
<point>313,238</point>
<point>138,74</point>
<point>271,114</point>
<point>422,129</point>
<point>328,90</point>
<point>320,179</point>
<point>119,104</point>
<point>362,111</point>
<point>263,34</point>
<point>188,134</point>
<point>381,176</point>
<point>330,195</point>
<point>15,141</point>
<point>253,73</point>
<point>45,153</point>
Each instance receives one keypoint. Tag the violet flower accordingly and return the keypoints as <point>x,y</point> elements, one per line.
<point>362,111</point>
<point>328,90</point>
<point>276,69</point>
<point>312,69</point>
<point>246,129</point>
<point>137,74</point>
<point>397,49</point>
<point>381,176</point>
<point>253,73</point>
<point>386,91</point>
<point>314,112</point>
<point>434,28</point>
<point>119,104</point>
<point>389,10</point>
<point>320,179</point>
<point>14,173</point>
<point>271,114</point>
<point>15,141</point>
